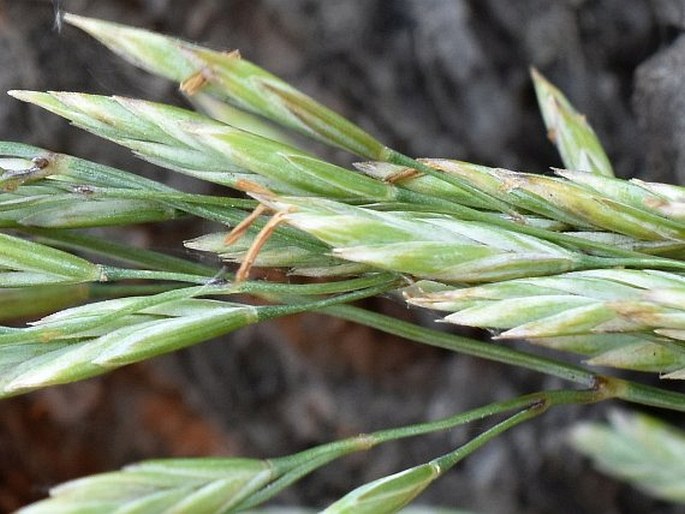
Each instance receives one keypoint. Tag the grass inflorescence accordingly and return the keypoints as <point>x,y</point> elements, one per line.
<point>581,262</point>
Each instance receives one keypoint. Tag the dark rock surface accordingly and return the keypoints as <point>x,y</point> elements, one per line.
<point>430,77</point>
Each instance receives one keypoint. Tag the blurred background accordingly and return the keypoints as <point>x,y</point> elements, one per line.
<point>439,78</point>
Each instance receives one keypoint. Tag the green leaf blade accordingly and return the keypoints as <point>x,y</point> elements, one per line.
<point>20,254</point>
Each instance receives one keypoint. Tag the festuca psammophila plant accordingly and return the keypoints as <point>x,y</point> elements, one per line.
<point>581,262</point>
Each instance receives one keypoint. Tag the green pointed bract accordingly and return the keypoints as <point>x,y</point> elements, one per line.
<point>430,246</point>
<point>662,199</point>
<point>480,177</point>
<point>172,486</point>
<point>133,123</point>
<point>156,53</point>
<point>157,337</point>
<point>516,311</point>
<point>667,199</point>
<point>621,318</point>
<point>623,191</point>
<point>28,256</point>
<point>666,248</point>
<point>420,183</point>
<point>583,207</point>
<point>274,253</point>
<point>589,344</point>
<point>386,495</point>
<point>73,322</point>
<point>667,191</point>
<point>650,314</point>
<point>644,356</point>
<point>77,211</point>
<point>580,203</point>
<point>475,180</point>
<point>230,77</point>
<point>199,146</point>
<point>455,262</point>
<point>230,115</point>
<point>640,449</point>
<point>109,334</point>
<point>577,143</point>
<point>292,166</point>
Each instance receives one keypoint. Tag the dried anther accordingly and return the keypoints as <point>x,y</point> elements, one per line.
<point>405,174</point>
<point>240,229</point>
<point>247,186</point>
<point>194,83</point>
<point>259,242</point>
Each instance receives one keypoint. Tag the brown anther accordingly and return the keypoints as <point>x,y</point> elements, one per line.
<point>240,229</point>
<point>248,186</point>
<point>257,245</point>
<point>405,174</point>
<point>194,83</point>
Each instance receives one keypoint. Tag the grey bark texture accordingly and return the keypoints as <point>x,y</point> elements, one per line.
<point>444,78</point>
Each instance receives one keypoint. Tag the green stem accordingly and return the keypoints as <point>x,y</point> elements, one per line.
<point>276,311</point>
<point>622,389</point>
<point>540,403</point>
<point>547,398</point>
<point>447,461</point>
<point>647,395</point>
<point>109,274</point>
<point>162,196</point>
<point>279,292</point>
<point>592,262</point>
<point>294,467</point>
<point>99,291</point>
<point>464,345</point>
<point>38,332</point>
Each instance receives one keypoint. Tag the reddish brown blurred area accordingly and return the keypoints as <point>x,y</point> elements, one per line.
<point>66,432</point>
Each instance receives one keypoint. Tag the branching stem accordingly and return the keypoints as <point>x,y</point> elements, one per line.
<point>623,389</point>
